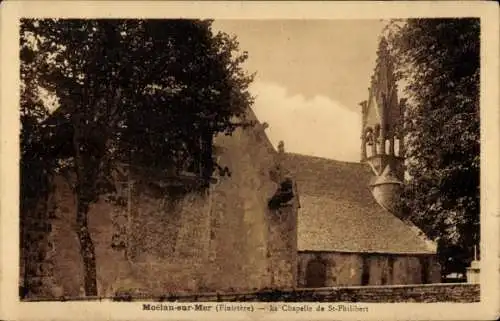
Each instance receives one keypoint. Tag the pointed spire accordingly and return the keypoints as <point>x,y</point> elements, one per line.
<point>381,119</point>
<point>384,80</point>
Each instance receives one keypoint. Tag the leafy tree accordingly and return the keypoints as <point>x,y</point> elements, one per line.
<point>141,91</point>
<point>195,94</point>
<point>33,165</point>
<point>439,61</point>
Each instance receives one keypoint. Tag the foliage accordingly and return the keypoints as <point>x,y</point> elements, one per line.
<point>148,92</point>
<point>439,61</point>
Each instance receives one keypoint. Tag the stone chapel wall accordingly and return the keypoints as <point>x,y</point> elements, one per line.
<point>225,239</point>
<point>346,269</point>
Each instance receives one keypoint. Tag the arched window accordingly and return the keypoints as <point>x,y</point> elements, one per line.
<point>369,136</point>
<point>316,273</point>
<point>377,132</point>
<point>369,140</point>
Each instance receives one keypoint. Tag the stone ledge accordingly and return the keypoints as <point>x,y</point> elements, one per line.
<point>458,292</point>
<point>389,294</point>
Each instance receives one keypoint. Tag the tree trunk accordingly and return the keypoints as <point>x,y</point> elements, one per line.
<point>83,176</point>
<point>87,249</point>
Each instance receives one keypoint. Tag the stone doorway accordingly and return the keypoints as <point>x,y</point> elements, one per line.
<point>316,273</point>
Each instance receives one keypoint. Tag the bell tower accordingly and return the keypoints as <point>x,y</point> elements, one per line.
<point>382,144</point>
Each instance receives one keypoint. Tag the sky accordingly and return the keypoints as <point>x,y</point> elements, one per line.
<point>311,76</point>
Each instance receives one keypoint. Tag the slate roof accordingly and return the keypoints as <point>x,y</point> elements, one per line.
<point>339,213</point>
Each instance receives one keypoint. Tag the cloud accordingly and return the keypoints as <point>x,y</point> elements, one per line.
<point>318,126</point>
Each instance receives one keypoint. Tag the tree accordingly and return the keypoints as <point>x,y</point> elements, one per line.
<point>194,102</point>
<point>439,61</point>
<point>141,91</point>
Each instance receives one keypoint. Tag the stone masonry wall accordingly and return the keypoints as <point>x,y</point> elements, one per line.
<point>249,244</point>
<point>223,240</point>
<point>282,240</point>
<point>343,269</point>
<point>37,252</point>
<point>168,230</point>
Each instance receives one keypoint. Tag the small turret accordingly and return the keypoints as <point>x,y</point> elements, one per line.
<point>382,143</point>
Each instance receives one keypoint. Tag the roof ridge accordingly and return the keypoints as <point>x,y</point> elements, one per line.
<point>324,158</point>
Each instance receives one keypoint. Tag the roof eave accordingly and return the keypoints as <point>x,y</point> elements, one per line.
<point>368,252</point>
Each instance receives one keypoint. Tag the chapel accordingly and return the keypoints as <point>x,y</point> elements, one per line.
<point>267,220</point>
<point>350,228</point>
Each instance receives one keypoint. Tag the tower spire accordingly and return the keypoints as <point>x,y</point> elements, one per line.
<point>382,117</point>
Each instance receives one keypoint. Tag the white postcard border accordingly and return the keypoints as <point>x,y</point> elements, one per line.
<point>12,309</point>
